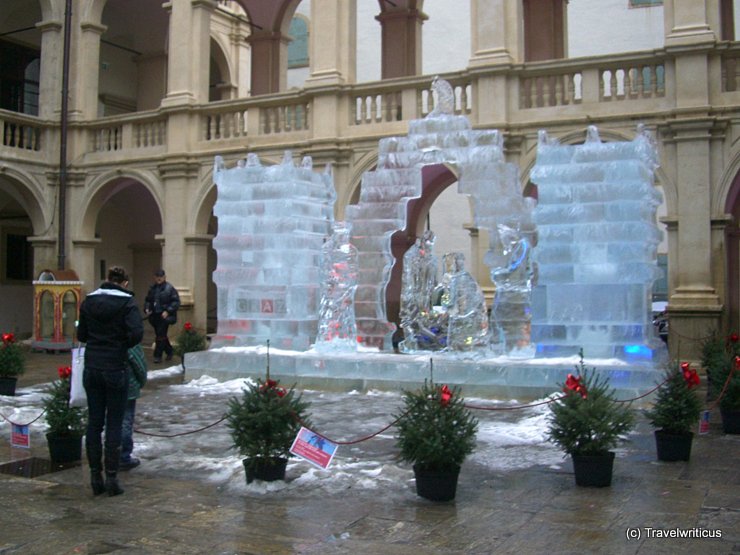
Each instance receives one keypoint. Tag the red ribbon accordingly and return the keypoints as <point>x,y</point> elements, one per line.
<point>272,384</point>
<point>188,326</point>
<point>64,372</point>
<point>734,338</point>
<point>445,395</point>
<point>8,338</point>
<point>573,383</point>
<point>690,375</point>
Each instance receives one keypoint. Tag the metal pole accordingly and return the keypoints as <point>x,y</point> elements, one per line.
<point>62,236</point>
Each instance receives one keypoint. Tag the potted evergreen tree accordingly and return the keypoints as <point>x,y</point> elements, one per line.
<point>435,433</point>
<point>586,423</point>
<point>66,425</point>
<point>12,364</point>
<point>189,340</point>
<point>721,360</point>
<point>676,409</point>
<point>263,423</point>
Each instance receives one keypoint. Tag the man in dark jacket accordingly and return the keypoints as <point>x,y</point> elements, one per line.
<point>110,323</point>
<point>160,305</point>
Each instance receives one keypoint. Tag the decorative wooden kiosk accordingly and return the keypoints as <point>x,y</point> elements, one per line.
<point>56,299</point>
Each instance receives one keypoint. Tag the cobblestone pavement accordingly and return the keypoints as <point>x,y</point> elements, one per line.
<point>189,507</point>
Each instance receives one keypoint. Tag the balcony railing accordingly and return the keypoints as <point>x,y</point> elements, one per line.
<point>552,90</point>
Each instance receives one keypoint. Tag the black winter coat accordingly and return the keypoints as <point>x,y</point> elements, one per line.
<point>110,324</point>
<point>162,296</point>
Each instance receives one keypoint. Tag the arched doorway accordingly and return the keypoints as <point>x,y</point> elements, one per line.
<point>732,246</point>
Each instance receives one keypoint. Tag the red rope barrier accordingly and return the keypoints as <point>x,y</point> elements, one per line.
<point>724,388</point>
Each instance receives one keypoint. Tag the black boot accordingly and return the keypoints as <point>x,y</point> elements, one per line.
<point>112,457</point>
<point>94,459</point>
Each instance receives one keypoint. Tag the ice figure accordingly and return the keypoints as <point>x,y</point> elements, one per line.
<point>596,254</point>
<point>445,103</point>
<point>511,314</point>
<point>272,222</point>
<point>467,323</point>
<point>339,267</point>
<point>419,321</point>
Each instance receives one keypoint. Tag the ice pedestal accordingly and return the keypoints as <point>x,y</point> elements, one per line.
<point>596,251</point>
<point>493,378</point>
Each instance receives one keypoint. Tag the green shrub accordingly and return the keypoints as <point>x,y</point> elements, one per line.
<point>677,407</point>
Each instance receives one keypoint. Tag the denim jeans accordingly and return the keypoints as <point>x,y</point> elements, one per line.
<point>127,430</point>
<point>107,393</point>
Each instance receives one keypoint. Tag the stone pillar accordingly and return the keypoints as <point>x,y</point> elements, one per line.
<point>196,249</point>
<point>50,73</point>
<point>401,42</point>
<point>333,42</point>
<point>83,71</point>
<point>189,51</point>
<point>497,33</point>
<point>269,61</point>
<point>82,260</point>
<point>694,305</point>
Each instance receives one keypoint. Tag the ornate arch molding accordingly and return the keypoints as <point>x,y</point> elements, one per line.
<point>103,186</point>
<point>29,194</point>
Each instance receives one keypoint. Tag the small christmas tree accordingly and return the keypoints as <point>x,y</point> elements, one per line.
<point>436,431</point>
<point>12,357</point>
<point>588,420</point>
<point>61,419</point>
<point>190,340</point>
<point>677,406</point>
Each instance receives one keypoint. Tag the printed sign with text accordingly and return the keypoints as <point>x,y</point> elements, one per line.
<point>314,448</point>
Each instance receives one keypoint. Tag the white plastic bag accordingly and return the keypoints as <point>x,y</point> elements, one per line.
<point>77,395</point>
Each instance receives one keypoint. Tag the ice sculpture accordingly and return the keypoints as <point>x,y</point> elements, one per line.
<point>467,317</point>
<point>597,244</point>
<point>272,222</point>
<point>442,137</point>
<point>422,326</point>
<point>339,267</point>
<point>511,313</point>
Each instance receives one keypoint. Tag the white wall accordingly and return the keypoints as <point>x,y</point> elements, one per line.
<point>606,26</point>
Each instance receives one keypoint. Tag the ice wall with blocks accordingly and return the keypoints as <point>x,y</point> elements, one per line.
<point>272,223</point>
<point>596,254</point>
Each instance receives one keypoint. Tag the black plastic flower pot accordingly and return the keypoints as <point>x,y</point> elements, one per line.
<point>267,470</point>
<point>730,421</point>
<point>593,470</point>
<point>64,449</point>
<point>7,385</point>
<point>436,485</point>
<point>673,447</point>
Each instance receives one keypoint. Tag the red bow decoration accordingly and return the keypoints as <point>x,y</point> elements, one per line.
<point>64,372</point>
<point>737,363</point>
<point>445,395</point>
<point>272,384</point>
<point>188,326</point>
<point>734,338</point>
<point>8,338</point>
<point>574,384</point>
<point>690,375</point>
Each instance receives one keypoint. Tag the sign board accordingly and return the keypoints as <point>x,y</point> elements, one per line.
<point>20,436</point>
<point>314,448</point>
<point>704,422</point>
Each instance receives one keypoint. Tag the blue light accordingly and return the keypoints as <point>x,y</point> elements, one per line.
<point>638,351</point>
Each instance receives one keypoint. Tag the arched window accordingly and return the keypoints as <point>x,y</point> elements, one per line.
<point>298,47</point>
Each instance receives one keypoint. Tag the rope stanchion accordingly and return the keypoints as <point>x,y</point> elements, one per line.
<point>354,441</point>
<point>516,407</point>
<point>724,388</point>
<point>152,434</point>
<point>9,421</point>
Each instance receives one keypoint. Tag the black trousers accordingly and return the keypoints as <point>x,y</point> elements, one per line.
<point>162,342</point>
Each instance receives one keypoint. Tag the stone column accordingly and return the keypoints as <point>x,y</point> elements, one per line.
<point>83,70</point>
<point>188,51</point>
<point>497,33</point>
<point>401,42</point>
<point>694,306</point>
<point>50,73</point>
<point>333,42</point>
<point>269,61</point>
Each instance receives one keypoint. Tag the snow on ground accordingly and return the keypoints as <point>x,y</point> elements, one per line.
<point>507,439</point>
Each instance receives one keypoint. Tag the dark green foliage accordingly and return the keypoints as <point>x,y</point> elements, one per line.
<point>12,359</point>
<point>62,419</point>
<point>433,435</point>
<point>189,340</point>
<point>591,425</point>
<point>263,423</point>
<point>677,408</point>
<point>718,359</point>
